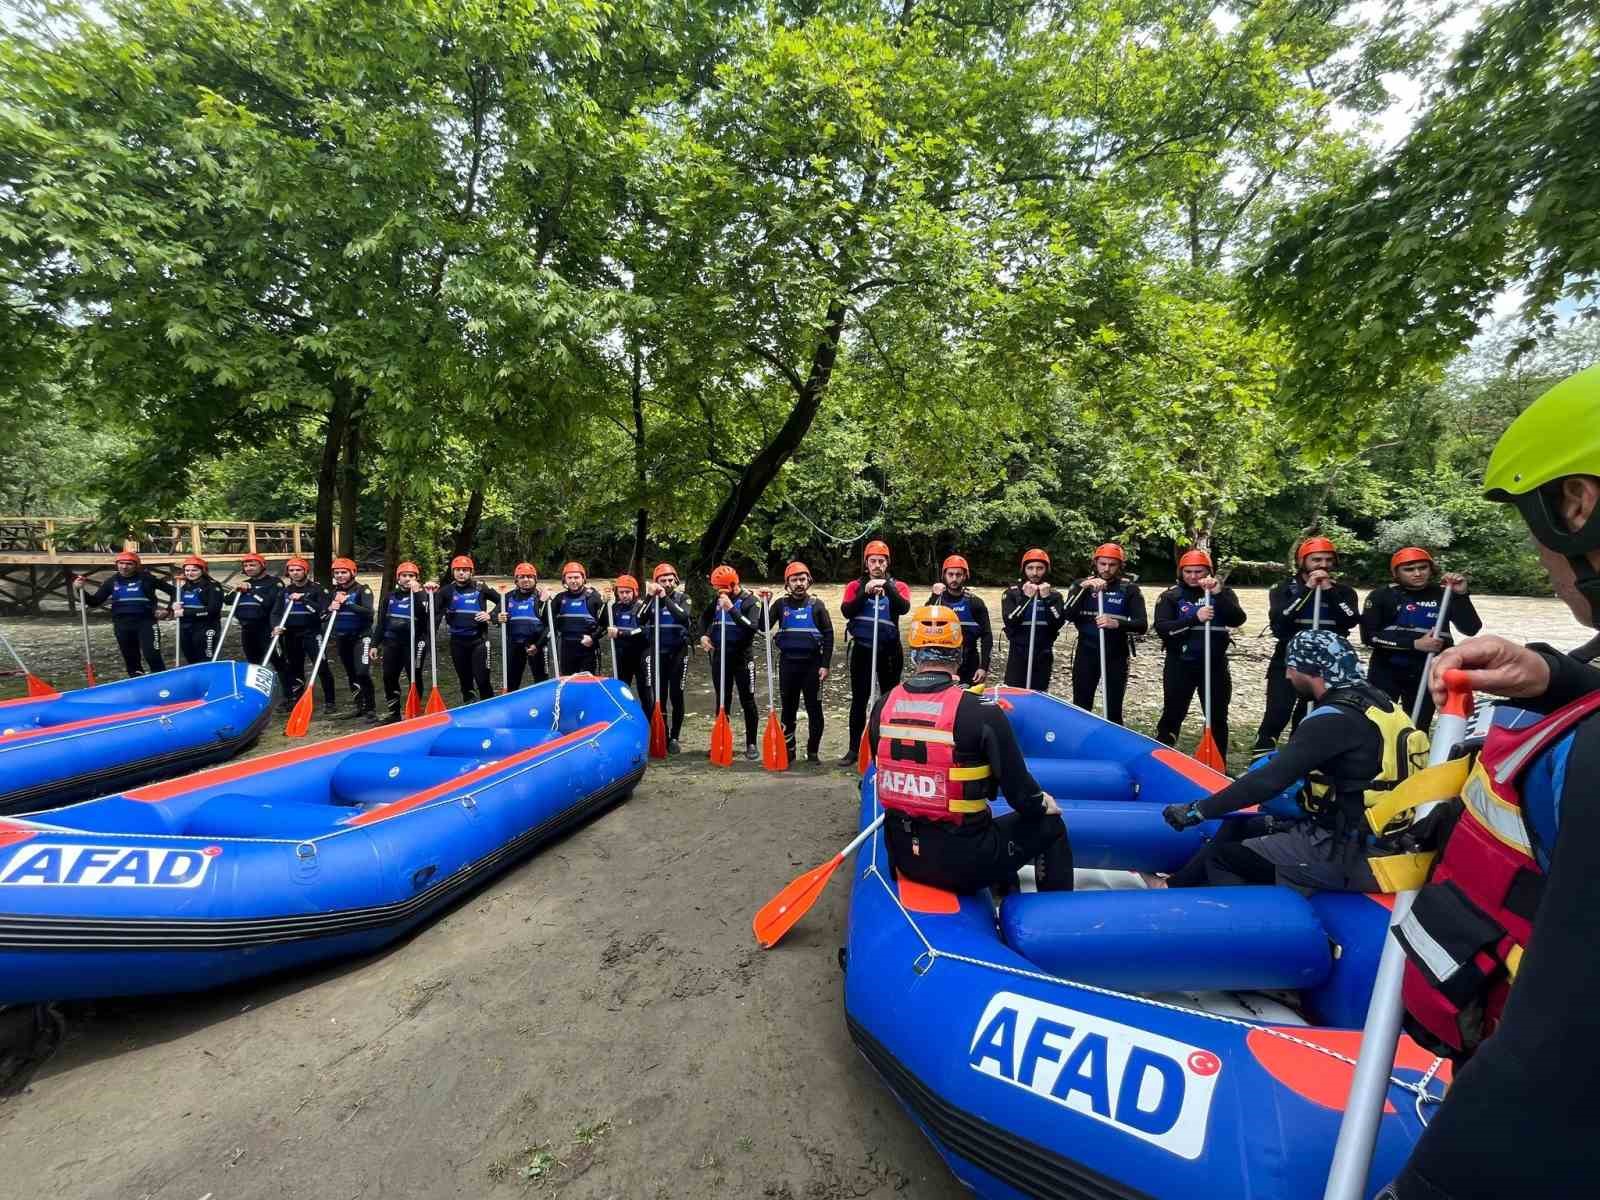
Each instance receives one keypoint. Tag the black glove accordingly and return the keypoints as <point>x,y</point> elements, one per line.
<point>1181,816</point>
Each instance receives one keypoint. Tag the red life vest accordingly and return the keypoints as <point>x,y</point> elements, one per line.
<point>1466,932</point>
<point>916,754</point>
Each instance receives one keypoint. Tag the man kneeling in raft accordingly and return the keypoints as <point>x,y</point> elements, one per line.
<point>942,754</point>
<point>1353,747</point>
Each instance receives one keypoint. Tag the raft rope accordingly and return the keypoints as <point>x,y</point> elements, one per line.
<point>839,539</point>
<point>925,962</point>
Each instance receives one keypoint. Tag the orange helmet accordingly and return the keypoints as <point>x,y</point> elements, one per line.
<point>297,561</point>
<point>461,560</point>
<point>1035,555</point>
<point>252,556</point>
<point>875,547</point>
<point>408,566</point>
<point>1110,550</point>
<point>567,568</point>
<point>194,560</point>
<point>129,556</point>
<point>345,564</point>
<point>629,582</point>
<point>522,569</point>
<point>724,578</point>
<point>1195,558</point>
<point>663,568</point>
<point>1409,554</point>
<point>1313,545</point>
<point>935,627</point>
<point>955,563</point>
<point>795,568</point>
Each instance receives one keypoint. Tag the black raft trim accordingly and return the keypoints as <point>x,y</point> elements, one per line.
<point>1030,1168</point>
<point>47,934</point>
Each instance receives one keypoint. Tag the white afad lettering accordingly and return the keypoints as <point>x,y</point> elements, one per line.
<point>47,864</point>
<point>1150,1087</point>
<point>908,783</point>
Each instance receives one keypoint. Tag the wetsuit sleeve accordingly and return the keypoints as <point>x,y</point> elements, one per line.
<point>1346,611</point>
<point>1055,612</point>
<point>853,599</point>
<point>1167,620</point>
<point>1587,652</point>
<point>280,607</point>
<point>1138,619</point>
<point>1318,740</point>
<point>980,613</point>
<point>165,587</point>
<point>1464,616</point>
<point>743,613</point>
<point>1010,769</point>
<point>1282,607</point>
<point>1379,617</point>
<point>1569,680</point>
<point>825,628</point>
<point>1074,601</point>
<point>1524,1085</point>
<point>899,598</point>
<point>214,601</point>
<point>98,597</point>
<point>1012,605</point>
<point>317,600</point>
<point>1229,611</point>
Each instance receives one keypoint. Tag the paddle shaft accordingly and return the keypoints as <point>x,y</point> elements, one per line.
<point>555,642</point>
<point>411,640</point>
<point>655,683</point>
<point>611,623</point>
<point>855,842</point>
<point>722,664</point>
<point>11,650</point>
<point>1316,609</point>
<point>177,622</point>
<point>1105,670</point>
<point>221,637</point>
<point>1427,663</point>
<point>766,632</point>
<point>322,650</point>
<point>1033,629</point>
<point>433,638</point>
<point>1369,1085</point>
<point>873,702</point>
<point>88,658</point>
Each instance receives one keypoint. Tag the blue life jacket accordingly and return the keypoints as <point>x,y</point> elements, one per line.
<point>256,605</point>
<point>875,613</point>
<point>1414,611</point>
<point>192,599</point>
<point>1191,642</point>
<point>397,616</point>
<point>797,635</point>
<point>461,610</point>
<point>736,634</point>
<point>348,620</point>
<point>524,615</point>
<point>297,614</point>
<point>132,598</point>
<point>626,616</point>
<point>1116,605</point>
<point>962,607</point>
<point>573,618</point>
<point>674,632</point>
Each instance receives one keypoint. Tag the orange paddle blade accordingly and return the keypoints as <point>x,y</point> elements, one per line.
<point>300,718</point>
<point>1209,753</point>
<point>435,702</point>
<point>38,687</point>
<point>413,706</point>
<point>658,732</point>
<point>774,750</point>
<point>88,673</point>
<point>864,759</point>
<point>780,914</point>
<point>722,740</point>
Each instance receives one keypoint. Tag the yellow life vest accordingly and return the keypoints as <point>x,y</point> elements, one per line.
<point>1405,752</point>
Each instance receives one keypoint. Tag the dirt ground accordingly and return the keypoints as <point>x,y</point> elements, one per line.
<point>595,1023</point>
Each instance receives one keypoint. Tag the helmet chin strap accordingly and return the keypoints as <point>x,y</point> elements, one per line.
<point>1588,581</point>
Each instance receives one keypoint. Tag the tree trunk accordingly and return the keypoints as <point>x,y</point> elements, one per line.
<point>764,467</point>
<point>468,533</point>
<point>350,487</point>
<point>328,479</point>
<point>641,518</point>
<point>394,520</point>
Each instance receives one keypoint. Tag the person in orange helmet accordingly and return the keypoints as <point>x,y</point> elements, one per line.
<point>872,606</point>
<point>579,615</point>
<point>1105,600</point>
<point>1291,607</point>
<point>258,596</point>
<point>802,632</point>
<point>198,604</point>
<point>626,632</point>
<point>1397,622</point>
<point>977,635</point>
<point>405,635</point>
<point>1032,614</point>
<point>465,606</point>
<point>731,620</point>
<point>523,614</point>
<point>133,592</point>
<point>1196,607</point>
<point>667,622</point>
<point>352,636</point>
<point>302,607</point>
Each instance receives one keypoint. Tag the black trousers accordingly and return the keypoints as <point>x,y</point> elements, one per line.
<point>1044,662</point>
<point>891,666</point>
<point>1285,708</point>
<point>1181,681</point>
<point>797,678</point>
<point>576,658</point>
<point>199,639</point>
<point>396,663</point>
<point>297,648</point>
<point>529,657</point>
<point>355,653</point>
<point>470,656</point>
<point>1086,677</point>
<point>256,636</point>
<point>674,673</point>
<point>741,674</point>
<point>135,638</point>
<point>1399,681</point>
<point>966,859</point>
<point>630,667</point>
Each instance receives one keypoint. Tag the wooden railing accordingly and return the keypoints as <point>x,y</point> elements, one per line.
<point>49,541</point>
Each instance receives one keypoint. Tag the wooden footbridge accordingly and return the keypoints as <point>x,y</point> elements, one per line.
<point>40,555</point>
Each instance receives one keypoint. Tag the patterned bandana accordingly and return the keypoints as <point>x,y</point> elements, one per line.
<point>1324,653</point>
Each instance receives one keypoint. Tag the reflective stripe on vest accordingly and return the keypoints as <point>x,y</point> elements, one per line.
<point>917,771</point>
<point>797,632</point>
<point>524,614</point>
<point>461,611</point>
<point>573,618</point>
<point>875,612</point>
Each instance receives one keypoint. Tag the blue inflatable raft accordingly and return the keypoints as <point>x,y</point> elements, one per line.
<point>56,749</point>
<point>1122,1043</point>
<point>325,850</point>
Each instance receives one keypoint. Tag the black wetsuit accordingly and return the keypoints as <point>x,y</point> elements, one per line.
<point>1018,611</point>
<point>629,645</point>
<point>673,669</point>
<point>405,635</point>
<point>458,607</point>
<point>526,637</point>
<point>302,623</point>
<point>1395,617</point>
<point>1124,602</point>
<point>200,603</point>
<point>740,623</point>
<point>1520,1119</point>
<point>578,615</point>
<point>802,634</point>
<point>254,616</point>
<point>982,850</point>
<point>1183,674</point>
<point>352,638</point>
<point>1291,608</point>
<point>134,606</point>
<point>977,635</point>
<point>861,613</point>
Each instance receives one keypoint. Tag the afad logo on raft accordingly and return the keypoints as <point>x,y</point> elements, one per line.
<point>1145,1085</point>
<point>44,865</point>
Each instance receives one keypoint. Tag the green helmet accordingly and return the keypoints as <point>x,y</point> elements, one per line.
<point>1557,436</point>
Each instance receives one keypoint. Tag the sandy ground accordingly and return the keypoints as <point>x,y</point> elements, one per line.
<point>596,1023</point>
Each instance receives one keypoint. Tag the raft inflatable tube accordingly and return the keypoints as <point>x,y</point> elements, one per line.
<point>57,749</point>
<point>1117,1043</point>
<point>326,850</point>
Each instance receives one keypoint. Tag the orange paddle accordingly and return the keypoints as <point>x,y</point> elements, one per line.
<point>435,700</point>
<point>36,686</point>
<point>721,730</point>
<point>774,749</point>
<point>1208,753</point>
<point>780,914</point>
<point>413,706</point>
<point>300,718</point>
